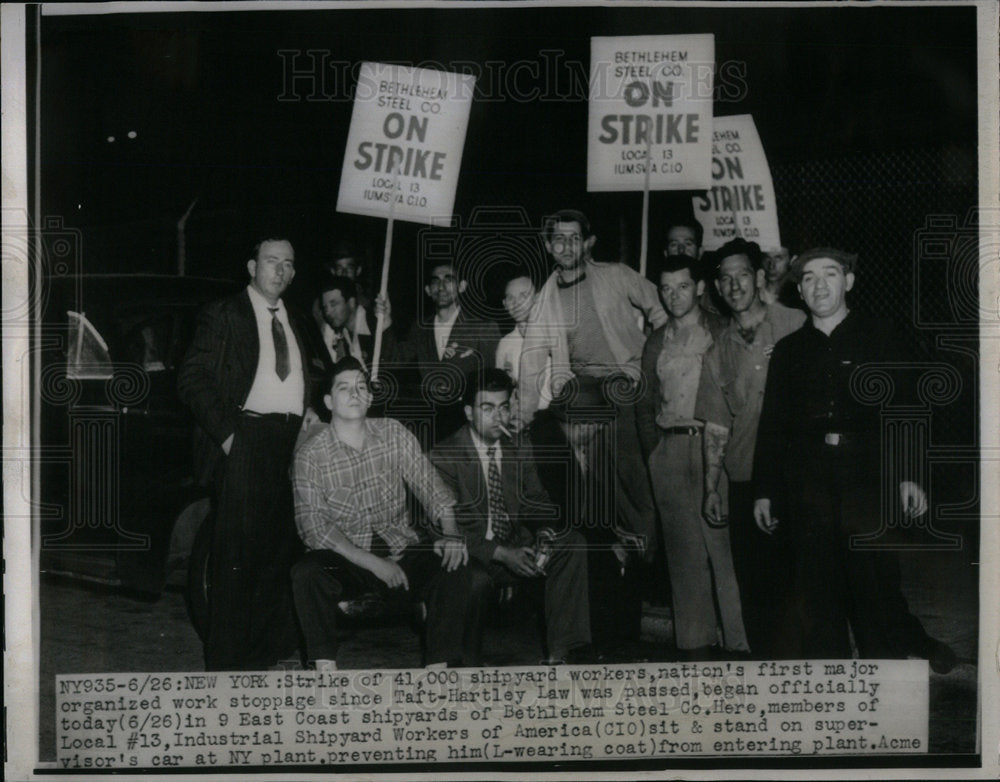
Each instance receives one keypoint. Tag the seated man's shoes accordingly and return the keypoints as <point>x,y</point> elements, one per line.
<point>941,657</point>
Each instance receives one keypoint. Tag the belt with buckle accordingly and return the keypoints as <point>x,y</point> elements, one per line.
<point>690,431</point>
<point>840,438</point>
<point>282,417</point>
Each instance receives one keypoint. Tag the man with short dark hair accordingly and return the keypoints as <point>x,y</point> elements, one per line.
<point>778,283</point>
<point>246,378</point>
<point>820,445</point>
<point>587,325</point>
<point>705,596</point>
<point>684,237</point>
<point>729,400</point>
<point>501,510</point>
<point>338,300</point>
<point>350,485</point>
<point>455,343</point>
<point>350,261</point>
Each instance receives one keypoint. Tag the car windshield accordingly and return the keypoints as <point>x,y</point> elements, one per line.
<point>87,357</point>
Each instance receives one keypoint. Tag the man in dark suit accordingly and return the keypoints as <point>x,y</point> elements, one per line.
<point>338,299</point>
<point>499,500</point>
<point>247,380</point>
<point>450,347</point>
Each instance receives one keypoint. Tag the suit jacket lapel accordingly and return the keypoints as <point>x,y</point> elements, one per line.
<point>508,476</point>
<point>246,343</point>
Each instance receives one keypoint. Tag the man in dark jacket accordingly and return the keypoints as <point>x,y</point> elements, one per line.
<point>503,512</point>
<point>820,445</point>
<point>455,343</point>
<point>247,381</point>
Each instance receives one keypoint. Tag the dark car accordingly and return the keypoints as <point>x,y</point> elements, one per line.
<point>118,501</point>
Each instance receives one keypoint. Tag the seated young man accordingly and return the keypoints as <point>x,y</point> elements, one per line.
<point>497,493</point>
<point>350,509</point>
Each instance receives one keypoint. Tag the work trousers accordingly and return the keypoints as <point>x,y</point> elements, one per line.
<point>633,494</point>
<point>698,555</point>
<point>321,579</point>
<point>567,604</point>
<point>254,543</point>
<point>763,565</point>
<point>834,495</point>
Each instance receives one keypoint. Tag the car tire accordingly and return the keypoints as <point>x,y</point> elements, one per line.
<point>199,579</point>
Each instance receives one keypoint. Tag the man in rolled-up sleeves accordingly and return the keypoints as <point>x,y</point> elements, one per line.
<point>729,400</point>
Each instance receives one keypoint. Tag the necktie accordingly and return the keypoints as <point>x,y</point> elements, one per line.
<point>339,347</point>
<point>502,528</point>
<point>281,364</point>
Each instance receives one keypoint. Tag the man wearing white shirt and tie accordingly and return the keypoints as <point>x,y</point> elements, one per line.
<point>246,379</point>
<point>501,508</point>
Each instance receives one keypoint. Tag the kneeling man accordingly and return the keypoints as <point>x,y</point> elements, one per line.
<point>350,508</point>
<point>497,493</point>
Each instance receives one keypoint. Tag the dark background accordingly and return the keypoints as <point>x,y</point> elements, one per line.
<point>868,116</point>
<point>202,93</point>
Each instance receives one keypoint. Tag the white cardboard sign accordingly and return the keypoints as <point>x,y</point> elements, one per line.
<point>413,120</point>
<point>650,92</point>
<point>741,200</point>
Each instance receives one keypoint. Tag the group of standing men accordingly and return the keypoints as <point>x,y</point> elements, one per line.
<point>614,401</point>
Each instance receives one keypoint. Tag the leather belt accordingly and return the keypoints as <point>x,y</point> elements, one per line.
<point>282,417</point>
<point>841,438</point>
<point>690,431</point>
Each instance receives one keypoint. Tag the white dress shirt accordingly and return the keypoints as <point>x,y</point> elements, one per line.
<point>442,331</point>
<point>270,394</point>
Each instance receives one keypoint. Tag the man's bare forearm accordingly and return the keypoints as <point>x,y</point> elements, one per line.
<point>716,438</point>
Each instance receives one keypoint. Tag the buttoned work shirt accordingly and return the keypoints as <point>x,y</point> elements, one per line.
<point>361,493</point>
<point>678,368</point>
<point>732,383</point>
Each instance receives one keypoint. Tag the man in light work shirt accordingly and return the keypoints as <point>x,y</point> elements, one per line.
<point>587,325</point>
<point>729,401</point>
<point>350,508</point>
<point>698,554</point>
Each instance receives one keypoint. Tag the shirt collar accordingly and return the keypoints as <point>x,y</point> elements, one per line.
<point>373,432</point>
<point>261,304</point>
<point>482,447</point>
<point>450,320</point>
<point>733,328</point>
<point>847,324</point>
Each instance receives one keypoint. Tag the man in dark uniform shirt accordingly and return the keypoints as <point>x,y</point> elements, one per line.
<point>819,446</point>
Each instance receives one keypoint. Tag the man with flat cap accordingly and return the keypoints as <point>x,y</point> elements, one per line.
<point>820,445</point>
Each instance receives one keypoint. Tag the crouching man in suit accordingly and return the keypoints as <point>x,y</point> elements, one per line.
<point>350,485</point>
<point>497,493</point>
